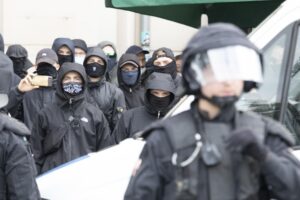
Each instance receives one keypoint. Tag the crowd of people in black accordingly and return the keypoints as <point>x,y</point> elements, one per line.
<point>76,99</point>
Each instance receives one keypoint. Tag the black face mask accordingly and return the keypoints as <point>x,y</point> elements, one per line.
<point>46,69</point>
<point>95,70</point>
<point>64,58</point>
<point>159,103</point>
<point>168,69</point>
<point>19,66</point>
<point>223,102</point>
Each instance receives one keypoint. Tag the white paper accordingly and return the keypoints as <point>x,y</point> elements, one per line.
<point>101,175</point>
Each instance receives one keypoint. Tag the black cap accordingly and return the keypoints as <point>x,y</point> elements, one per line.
<point>46,56</point>
<point>134,49</point>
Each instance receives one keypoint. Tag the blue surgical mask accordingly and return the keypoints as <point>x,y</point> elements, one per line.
<point>72,88</point>
<point>130,78</point>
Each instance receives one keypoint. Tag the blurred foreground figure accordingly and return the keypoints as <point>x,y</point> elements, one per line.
<point>212,151</point>
<point>17,169</point>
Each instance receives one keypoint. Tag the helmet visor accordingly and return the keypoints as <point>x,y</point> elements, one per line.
<point>227,64</point>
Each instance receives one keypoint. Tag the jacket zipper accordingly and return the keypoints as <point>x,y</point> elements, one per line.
<point>158,114</point>
<point>130,90</point>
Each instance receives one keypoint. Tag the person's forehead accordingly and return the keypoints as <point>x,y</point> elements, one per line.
<point>78,49</point>
<point>72,74</point>
<point>158,90</point>
<point>128,65</point>
<point>64,48</point>
<point>162,59</point>
<point>94,58</point>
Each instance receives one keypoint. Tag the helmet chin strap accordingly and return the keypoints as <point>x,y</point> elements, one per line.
<point>221,102</point>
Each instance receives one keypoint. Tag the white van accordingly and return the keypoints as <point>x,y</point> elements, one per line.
<point>279,97</point>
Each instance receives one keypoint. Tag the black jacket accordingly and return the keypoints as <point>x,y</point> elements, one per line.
<point>34,101</point>
<point>68,128</point>
<point>137,119</point>
<point>156,176</point>
<point>17,169</point>
<point>1,43</point>
<point>134,95</point>
<point>105,95</point>
<point>14,106</point>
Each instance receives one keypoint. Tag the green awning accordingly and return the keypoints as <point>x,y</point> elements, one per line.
<point>244,13</point>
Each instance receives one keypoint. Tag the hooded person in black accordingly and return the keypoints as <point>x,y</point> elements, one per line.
<point>103,94</point>
<point>129,73</point>
<point>212,150</point>
<point>14,106</point>
<point>80,50</point>
<point>65,50</point>
<point>32,98</point>
<point>163,61</point>
<point>1,43</point>
<point>140,53</point>
<point>159,99</point>
<point>19,56</point>
<point>17,169</point>
<point>37,99</point>
<point>70,127</point>
<point>112,61</point>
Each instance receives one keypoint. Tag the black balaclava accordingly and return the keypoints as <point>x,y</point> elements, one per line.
<point>168,69</point>
<point>60,42</point>
<point>159,103</point>
<point>19,66</point>
<point>18,54</point>
<point>46,69</point>
<point>64,58</point>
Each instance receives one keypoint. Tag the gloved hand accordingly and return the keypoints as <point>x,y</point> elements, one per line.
<point>244,141</point>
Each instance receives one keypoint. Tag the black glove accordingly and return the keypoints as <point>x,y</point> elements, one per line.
<point>244,141</point>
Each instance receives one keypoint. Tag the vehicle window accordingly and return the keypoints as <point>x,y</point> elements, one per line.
<point>266,99</point>
<point>292,115</point>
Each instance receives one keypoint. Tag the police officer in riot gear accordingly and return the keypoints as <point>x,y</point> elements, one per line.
<point>212,151</point>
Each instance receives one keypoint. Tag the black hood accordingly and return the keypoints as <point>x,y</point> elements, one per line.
<point>168,53</point>
<point>159,81</point>
<point>1,43</point>
<point>127,58</point>
<point>79,43</point>
<point>64,69</point>
<point>59,42</point>
<point>107,43</point>
<point>17,51</point>
<point>96,51</point>
<point>6,78</point>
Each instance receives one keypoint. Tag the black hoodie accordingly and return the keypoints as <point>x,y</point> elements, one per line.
<point>68,128</point>
<point>137,119</point>
<point>59,42</point>
<point>134,95</point>
<point>15,158</point>
<point>15,53</point>
<point>105,95</point>
<point>1,43</point>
